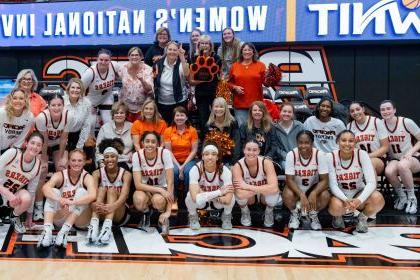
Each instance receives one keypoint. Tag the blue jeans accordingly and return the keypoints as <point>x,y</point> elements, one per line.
<point>241,116</point>
<point>186,180</point>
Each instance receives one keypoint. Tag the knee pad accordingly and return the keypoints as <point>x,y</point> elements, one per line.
<point>273,200</point>
<point>51,205</point>
<point>231,204</point>
<point>241,202</point>
<point>191,205</point>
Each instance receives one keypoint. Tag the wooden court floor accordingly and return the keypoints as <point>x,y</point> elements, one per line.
<point>21,269</point>
<point>390,250</point>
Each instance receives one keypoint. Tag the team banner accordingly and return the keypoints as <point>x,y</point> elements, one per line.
<point>264,21</point>
<point>135,22</point>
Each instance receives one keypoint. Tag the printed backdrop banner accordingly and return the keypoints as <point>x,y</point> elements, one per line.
<point>357,20</point>
<point>135,22</point>
<point>262,21</point>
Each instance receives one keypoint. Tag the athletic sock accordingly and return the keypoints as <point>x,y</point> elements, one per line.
<point>400,191</point>
<point>38,204</point>
<point>108,222</point>
<point>410,193</point>
<point>66,227</point>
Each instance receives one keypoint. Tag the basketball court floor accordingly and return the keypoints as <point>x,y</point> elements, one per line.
<point>390,250</point>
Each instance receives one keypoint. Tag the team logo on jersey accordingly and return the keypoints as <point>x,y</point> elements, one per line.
<point>383,245</point>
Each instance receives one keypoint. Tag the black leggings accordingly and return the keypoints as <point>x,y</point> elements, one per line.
<point>203,109</point>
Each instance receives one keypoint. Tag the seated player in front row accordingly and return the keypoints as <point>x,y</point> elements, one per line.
<point>306,181</point>
<point>254,178</point>
<point>154,180</point>
<point>352,183</point>
<point>113,185</point>
<point>210,187</point>
<point>68,195</point>
<point>18,169</point>
<point>404,156</point>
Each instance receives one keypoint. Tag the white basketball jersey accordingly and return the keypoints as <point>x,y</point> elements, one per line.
<point>399,139</point>
<point>105,182</point>
<point>306,170</point>
<point>13,177</point>
<point>101,86</point>
<point>350,176</point>
<point>68,188</point>
<point>260,178</point>
<point>367,137</point>
<point>152,172</point>
<point>54,130</point>
<point>209,182</point>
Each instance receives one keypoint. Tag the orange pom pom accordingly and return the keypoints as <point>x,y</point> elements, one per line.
<point>225,143</point>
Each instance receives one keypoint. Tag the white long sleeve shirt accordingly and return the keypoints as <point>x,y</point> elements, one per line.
<point>351,177</point>
<point>80,118</point>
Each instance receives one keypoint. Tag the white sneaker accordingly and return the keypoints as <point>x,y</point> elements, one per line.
<point>268,217</point>
<point>226,221</point>
<point>61,238</point>
<point>17,224</point>
<point>362,224</point>
<point>338,222</point>
<point>400,202</point>
<point>93,230</point>
<point>245,216</point>
<point>411,206</point>
<point>38,214</point>
<point>165,228</point>
<point>105,235</point>
<point>315,224</point>
<point>194,222</point>
<point>45,239</point>
<point>294,221</point>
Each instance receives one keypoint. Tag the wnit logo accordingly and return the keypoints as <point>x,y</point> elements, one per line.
<point>353,18</point>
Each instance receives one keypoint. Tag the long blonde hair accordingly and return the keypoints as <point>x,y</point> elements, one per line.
<point>228,120</point>
<point>266,119</point>
<point>156,116</point>
<point>235,45</point>
<point>9,107</point>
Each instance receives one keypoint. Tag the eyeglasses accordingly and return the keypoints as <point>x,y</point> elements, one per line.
<point>27,79</point>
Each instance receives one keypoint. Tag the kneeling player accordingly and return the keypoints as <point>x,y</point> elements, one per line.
<point>353,183</point>
<point>113,184</point>
<point>254,176</point>
<point>18,169</point>
<point>68,193</point>
<point>210,187</point>
<point>153,173</point>
<point>306,190</point>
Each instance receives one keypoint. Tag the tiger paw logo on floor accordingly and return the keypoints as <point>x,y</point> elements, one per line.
<point>204,68</point>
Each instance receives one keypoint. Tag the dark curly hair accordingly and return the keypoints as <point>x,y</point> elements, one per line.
<point>116,143</point>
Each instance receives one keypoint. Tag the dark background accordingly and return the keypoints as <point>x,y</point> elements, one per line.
<point>369,73</point>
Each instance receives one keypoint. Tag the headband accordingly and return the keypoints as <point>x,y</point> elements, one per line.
<point>111,150</point>
<point>211,148</point>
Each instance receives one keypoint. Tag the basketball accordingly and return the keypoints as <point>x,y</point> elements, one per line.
<point>411,4</point>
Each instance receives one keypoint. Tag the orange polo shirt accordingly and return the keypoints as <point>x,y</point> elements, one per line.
<point>251,78</point>
<point>37,103</point>
<point>139,127</point>
<point>181,144</point>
